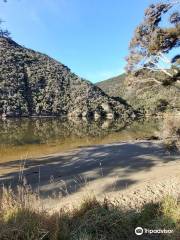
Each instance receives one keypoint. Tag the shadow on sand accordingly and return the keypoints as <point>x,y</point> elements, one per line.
<point>71,170</point>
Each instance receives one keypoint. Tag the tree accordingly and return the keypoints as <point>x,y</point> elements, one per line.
<point>151,43</point>
<point>3,32</point>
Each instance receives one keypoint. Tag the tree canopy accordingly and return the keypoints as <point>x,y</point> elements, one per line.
<point>151,42</point>
<point>3,32</point>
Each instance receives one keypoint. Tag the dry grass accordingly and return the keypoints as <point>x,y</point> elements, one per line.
<point>171,131</point>
<point>22,219</point>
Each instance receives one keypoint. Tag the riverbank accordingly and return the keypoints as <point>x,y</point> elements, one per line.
<point>100,169</point>
<point>97,192</point>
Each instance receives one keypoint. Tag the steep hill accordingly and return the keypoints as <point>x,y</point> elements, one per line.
<point>33,84</point>
<point>145,92</point>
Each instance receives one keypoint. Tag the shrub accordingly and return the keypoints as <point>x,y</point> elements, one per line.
<point>93,220</point>
<point>171,131</point>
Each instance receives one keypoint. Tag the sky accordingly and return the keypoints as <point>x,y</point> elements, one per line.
<point>91,37</point>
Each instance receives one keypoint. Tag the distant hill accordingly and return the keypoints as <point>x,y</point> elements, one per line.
<point>144,92</point>
<point>113,86</point>
<point>33,84</point>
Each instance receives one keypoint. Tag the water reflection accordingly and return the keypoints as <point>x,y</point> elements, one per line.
<point>34,137</point>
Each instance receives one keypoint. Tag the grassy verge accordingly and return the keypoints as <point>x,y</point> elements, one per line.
<point>93,220</point>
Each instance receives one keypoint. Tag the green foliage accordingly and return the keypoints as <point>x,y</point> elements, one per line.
<point>171,132</point>
<point>3,32</point>
<point>92,220</point>
<point>114,87</point>
<point>144,91</point>
<point>151,42</point>
<point>32,83</point>
<point>161,105</point>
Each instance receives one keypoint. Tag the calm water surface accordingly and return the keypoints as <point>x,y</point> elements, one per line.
<point>27,138</point>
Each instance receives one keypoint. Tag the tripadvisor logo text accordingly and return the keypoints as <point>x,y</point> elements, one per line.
<point>139,231</point>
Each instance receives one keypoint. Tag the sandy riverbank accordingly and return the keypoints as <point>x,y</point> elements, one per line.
<point>103,170</point>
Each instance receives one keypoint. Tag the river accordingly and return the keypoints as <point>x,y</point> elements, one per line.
<point>29,138</point>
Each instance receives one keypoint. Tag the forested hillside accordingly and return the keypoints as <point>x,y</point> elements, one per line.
<point>33,84</point>
<point>144,92</point>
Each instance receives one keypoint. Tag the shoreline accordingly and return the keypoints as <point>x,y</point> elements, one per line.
<point>107,169</point>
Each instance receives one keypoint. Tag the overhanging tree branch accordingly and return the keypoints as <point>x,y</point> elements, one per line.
<point>151,43</point>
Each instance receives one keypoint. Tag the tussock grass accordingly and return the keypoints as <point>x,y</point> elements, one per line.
<point>171,131</point>
<point>92,220</point>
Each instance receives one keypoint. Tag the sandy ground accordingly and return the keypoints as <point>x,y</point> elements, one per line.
<point>131,172</point>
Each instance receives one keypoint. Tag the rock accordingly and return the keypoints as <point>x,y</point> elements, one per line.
<point>3,116</point>
<point>87,114</point>
<point>10,114</point>
<point>96,115</point>
<point>109,115</point>
<point>106,107</point>
<point>106,124</point>
<point>75,113</point>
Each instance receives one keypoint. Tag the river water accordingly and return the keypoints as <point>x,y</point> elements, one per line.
<point>29,138</point>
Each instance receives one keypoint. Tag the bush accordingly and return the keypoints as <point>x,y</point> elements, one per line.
<point>93,220</point>
<point>171,131</point>
<point>162,105</point>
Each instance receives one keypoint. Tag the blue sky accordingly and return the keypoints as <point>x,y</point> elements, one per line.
<point>89,36</point>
